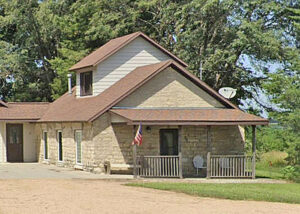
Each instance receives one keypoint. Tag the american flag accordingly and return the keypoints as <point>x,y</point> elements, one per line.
<point>138,137</point>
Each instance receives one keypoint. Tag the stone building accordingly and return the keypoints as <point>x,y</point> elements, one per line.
<point>129,81</point>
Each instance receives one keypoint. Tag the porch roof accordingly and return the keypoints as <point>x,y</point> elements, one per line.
<point>189,117</point>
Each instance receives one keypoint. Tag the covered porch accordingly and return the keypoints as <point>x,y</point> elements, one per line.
<point>191,143</point>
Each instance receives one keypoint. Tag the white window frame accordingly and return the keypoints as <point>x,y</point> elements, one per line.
<point>45,146</point>
<point>57,139</point>
<point>76,158</point>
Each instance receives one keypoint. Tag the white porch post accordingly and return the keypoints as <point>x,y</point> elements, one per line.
<point>253,150</point>
<point>134,155</point>
<point>208,146</point>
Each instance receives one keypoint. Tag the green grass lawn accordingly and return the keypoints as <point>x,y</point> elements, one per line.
<point>274,172</point>
<point>287,193</point>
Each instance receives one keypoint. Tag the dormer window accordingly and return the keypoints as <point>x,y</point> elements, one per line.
<point>86,83</point>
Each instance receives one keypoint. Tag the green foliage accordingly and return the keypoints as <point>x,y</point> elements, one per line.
<point>32,27</point>
<point>61,65</point>
<point>290,172</point>
<point>284,90</point>
<point>52,35</point>
<point>267,171</point>
<point>274,158</point>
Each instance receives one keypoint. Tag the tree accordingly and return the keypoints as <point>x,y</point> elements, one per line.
<point>33,28</point>
<point>284,90</point>
<point>225,37</point>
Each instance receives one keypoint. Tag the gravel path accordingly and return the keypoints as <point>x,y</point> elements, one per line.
<point>100,196</point>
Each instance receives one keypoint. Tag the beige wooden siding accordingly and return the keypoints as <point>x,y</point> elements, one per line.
<point>29,143</point>
<point>137,53</point>
<point>2,143</point>
<point>169,89</point>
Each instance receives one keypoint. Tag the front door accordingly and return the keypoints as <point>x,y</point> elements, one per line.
<point>14,142</point>
<point>169,142</point>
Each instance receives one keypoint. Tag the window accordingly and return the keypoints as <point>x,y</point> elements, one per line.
<point>60,146</point>
<point>78,139</point>
<point>169,142</point>
<point>86,83</point>
<point>45,139</point>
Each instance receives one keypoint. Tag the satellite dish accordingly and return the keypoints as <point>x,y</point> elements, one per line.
<point>227,92</point>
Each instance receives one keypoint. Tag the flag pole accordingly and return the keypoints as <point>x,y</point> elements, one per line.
<point>134,155</point>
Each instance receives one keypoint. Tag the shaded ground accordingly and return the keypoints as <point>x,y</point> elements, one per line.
<point>44,171</point>
<point>79,194</point>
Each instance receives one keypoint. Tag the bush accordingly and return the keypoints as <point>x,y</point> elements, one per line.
<point>289,172</point>
<point>292,173</point>
<point>274,158</point>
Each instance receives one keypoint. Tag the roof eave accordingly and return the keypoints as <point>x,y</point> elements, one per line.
<point>82,69</point>
<point>199,123</point>
<point>61,121</point>
<point>19,119</point>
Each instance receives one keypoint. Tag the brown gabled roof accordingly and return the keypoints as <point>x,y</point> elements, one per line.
<point>68,108</point>
<point>113,46</point>
<point>189,117</point>
<point>23,111</point>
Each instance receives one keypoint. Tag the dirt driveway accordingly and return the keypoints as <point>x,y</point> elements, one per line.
<point>99,196</point>
<point>81,195</point>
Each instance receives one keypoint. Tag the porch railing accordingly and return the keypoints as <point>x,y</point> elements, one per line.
<point>158,166</point>
<point>226,166</point>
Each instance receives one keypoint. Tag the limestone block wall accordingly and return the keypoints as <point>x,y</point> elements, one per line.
<point>69,144</point>
<point>225,140</point>
<point>194,142</point>
<point>103,141</point>
<point>113,142</point>
<point>160,91</point>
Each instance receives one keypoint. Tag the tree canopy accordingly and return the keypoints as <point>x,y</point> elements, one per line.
<point>233,41</point>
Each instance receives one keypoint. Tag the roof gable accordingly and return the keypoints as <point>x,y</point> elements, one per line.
<point>169,89</point>
<point>69,108</point>
<point>114,46</point>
